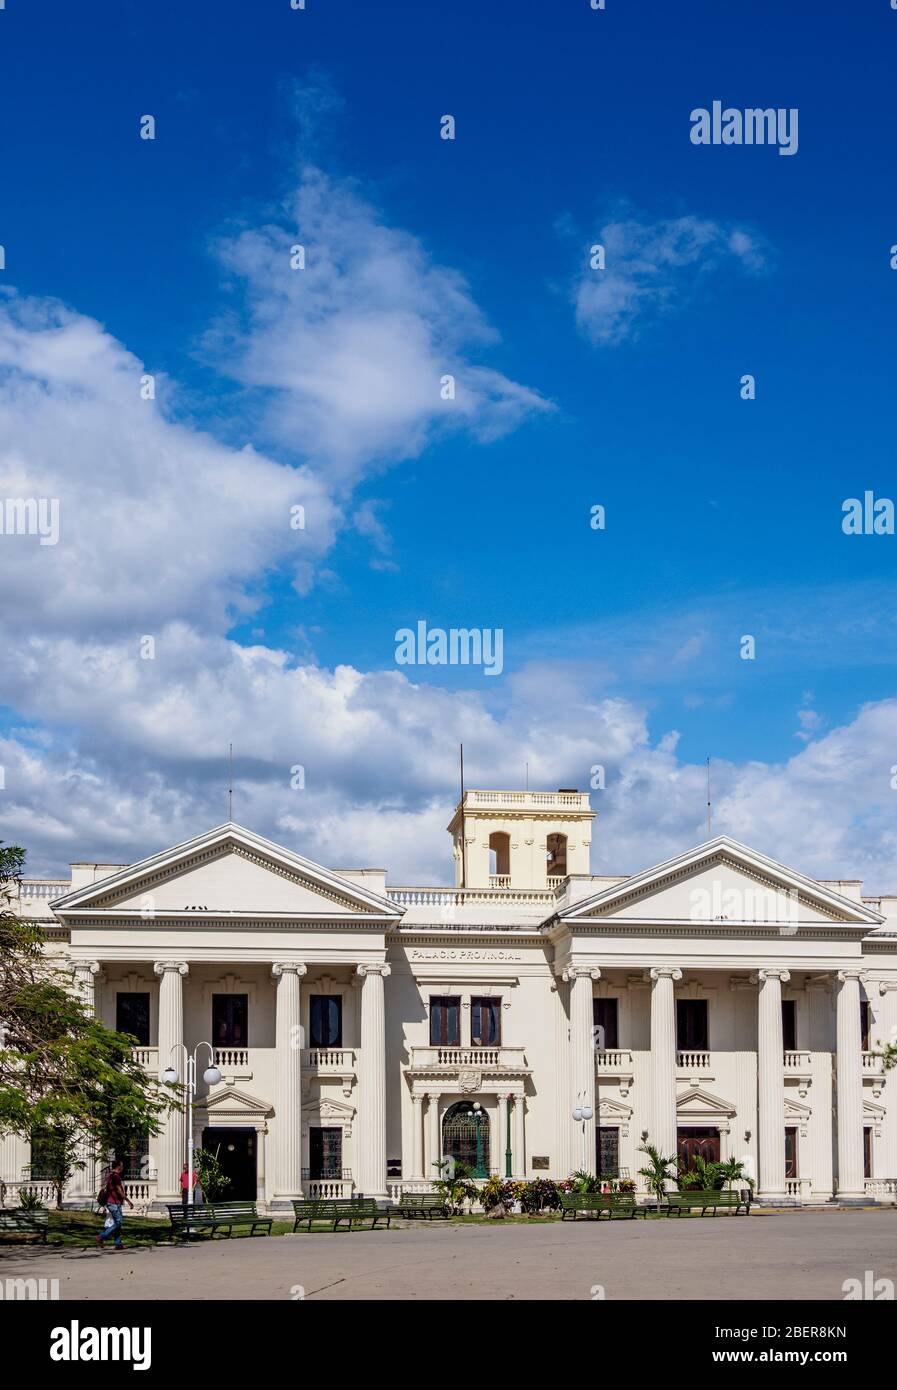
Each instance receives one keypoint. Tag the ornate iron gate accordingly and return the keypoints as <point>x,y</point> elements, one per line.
<point>465,1138</point>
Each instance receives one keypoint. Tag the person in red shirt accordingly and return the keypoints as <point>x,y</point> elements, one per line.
<point>116,1196</point>
<point>186,1194</point>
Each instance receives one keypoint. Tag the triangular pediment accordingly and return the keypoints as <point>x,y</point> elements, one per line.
<point>329,1108</point>
<point>232,1102</point>
<point>228,873</point>
<point>698,1102</point>
<point>609,1109</point>
<point>723,885</point>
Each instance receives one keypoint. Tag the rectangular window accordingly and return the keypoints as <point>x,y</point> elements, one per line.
<point>485,1022</point>
<point>867,1151</point>
<point>691,1025</point>
<point>789,1025</point>
<point>325,1018</point>
<point>609,1152</point>
<point>791,1151</point>
<point>230,1020</point>
<point>325,1152</point>
<point>445,1021</point>
<point>132,1015</point>
<point>136,1160</point>
<point>47,1156</point>
<point>604,1017</point>
<point>865,1024</point>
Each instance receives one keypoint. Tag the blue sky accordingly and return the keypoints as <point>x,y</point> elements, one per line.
<point>723,515</point>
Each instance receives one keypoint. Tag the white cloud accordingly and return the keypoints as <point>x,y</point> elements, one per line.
<point>652,267</point>
<point>158,521</point>
<point>380,754</point>
<point>349,353</point>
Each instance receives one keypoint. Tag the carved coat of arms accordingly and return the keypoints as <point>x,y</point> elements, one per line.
<point>469,1080</point>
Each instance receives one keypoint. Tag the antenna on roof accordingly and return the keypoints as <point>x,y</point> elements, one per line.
<point>463,843</point>
<point>230,781</point>
<point>709,809</point>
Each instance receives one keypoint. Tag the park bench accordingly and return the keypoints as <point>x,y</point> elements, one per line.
<point>25,1222</point>
<point>429,1206</point>
<point>614,1203</point>
<point>218,1216</point>
<point>334,1211</point>
<point>707,1201</point>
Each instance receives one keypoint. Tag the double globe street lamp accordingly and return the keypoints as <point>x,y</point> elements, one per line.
<point>211,1076</point>
<point>582,1111</point>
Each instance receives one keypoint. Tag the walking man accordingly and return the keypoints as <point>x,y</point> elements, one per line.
<point>115,1195</point>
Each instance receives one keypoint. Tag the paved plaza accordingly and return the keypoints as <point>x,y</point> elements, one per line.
<point>793,1255</point>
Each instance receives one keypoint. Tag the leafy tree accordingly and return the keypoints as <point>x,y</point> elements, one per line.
<point>210,1175</point>
<point>62,1072</point>
<point>56,1156</point>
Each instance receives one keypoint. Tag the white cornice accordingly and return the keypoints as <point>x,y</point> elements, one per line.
<point>210,845</point>
<point>721,849</point>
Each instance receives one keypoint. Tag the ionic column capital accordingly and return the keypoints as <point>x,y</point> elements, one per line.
<point>665,972</point>
<point>288,967</point>
<point>774,973</point>
<point>851,974</point>
<point>580,972</point>
<point>160,967</point>
<point>85,967</point>
<point>375,968</point>
<point>416,1099</point>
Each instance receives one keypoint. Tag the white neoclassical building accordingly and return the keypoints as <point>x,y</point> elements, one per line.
<point>720,1003</point>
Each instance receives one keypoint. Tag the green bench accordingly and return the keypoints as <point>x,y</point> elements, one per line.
<point>429,1206</point>
<point>217,1216</point>
<point>335,1211</point>
<point>26,1222</point>
<point>707,1201</point>
<point>613,1203</point>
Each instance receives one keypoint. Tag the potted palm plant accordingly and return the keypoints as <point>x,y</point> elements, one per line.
<point>657,1171</point>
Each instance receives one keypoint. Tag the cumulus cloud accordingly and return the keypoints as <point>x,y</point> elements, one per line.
<point>347,357</point>
<point>380,756</point>
<point>158,521</point>
<point>653,267</point>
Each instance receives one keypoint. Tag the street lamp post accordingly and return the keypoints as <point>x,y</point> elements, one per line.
<point>211,1076</point>
<point>583,1112</point>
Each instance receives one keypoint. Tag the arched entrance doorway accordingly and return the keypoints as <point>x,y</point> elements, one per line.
<point>465,1137</point>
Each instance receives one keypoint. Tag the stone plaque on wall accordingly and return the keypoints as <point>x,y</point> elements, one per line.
<point>540,1161</point>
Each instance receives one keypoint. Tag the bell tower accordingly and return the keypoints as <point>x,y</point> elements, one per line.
<point>520,839</point>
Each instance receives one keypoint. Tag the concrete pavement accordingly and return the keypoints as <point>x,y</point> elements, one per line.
<point>794,1255</point>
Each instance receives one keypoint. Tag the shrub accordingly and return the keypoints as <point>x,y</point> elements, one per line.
<point>539,1195</point>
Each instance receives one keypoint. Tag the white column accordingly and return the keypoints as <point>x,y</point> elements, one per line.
<point>771,1084</point>
<point>417,1137</point>
<point>84,1182</point>
<point>499,1160</point>
<point>170,1143</point>
<point>372,1082</point>
<point>582,1058</point>
<point>261,1192</point>
<point>849,1063</point>
<point>518,1158</point>
<point>434,1144</point>
<point>287,1083</point>
<point>663,1059</point>
<point>84,974</point>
